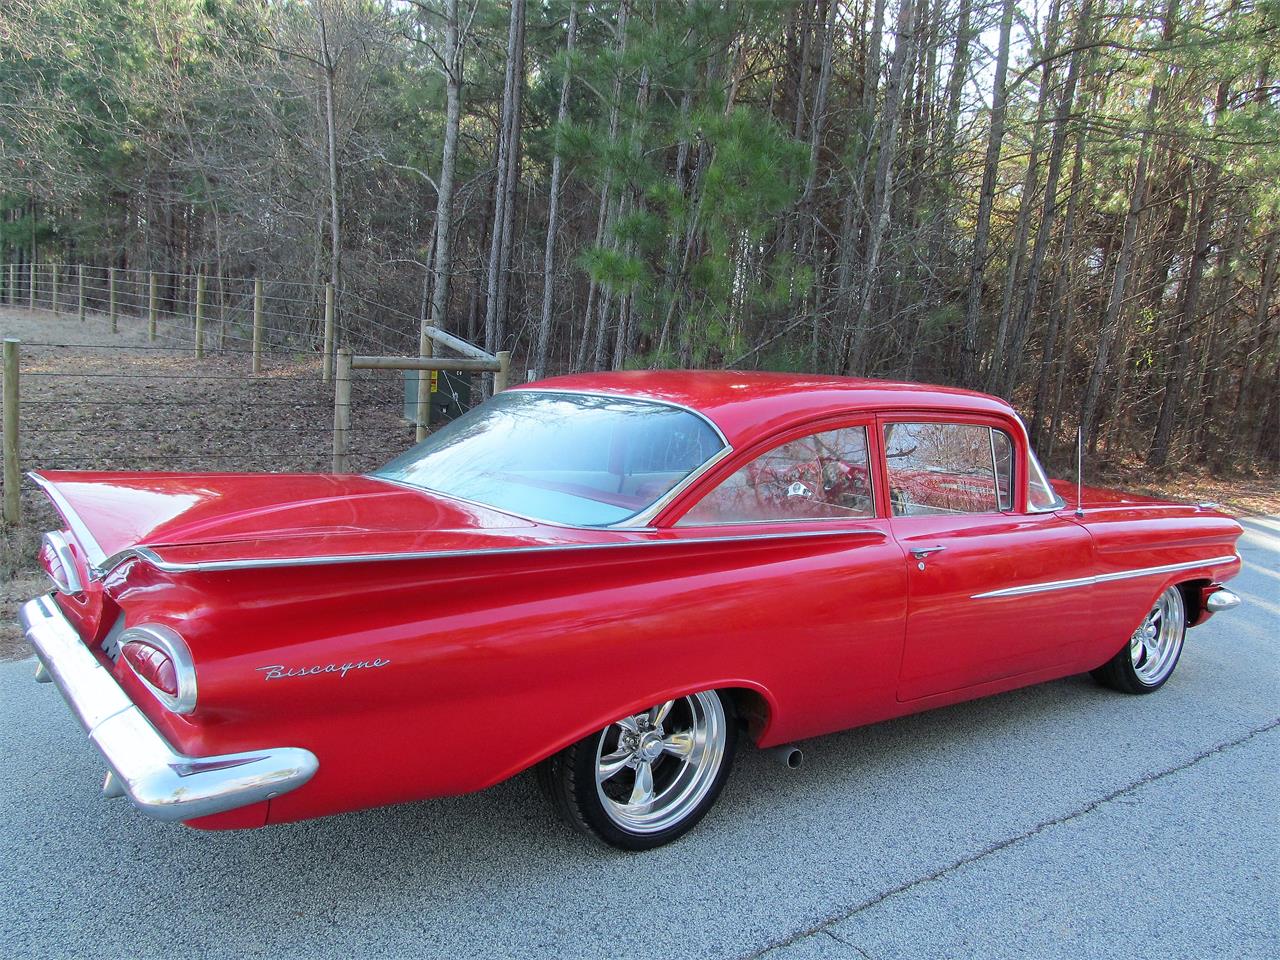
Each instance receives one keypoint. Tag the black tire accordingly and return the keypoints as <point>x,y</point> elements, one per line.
<point>1147,660</point>
<point>569,777</point>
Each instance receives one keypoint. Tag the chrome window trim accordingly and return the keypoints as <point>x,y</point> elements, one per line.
<point>167,640</point>
<point>93,553</point>
<point>149,555</point>
<point>640,520</point>
<point>70,584</point>
<point>1051,585</point>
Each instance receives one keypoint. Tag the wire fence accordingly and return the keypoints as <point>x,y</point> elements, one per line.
<point>143,370</point>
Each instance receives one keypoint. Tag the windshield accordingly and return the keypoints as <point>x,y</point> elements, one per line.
<point>585,460</point>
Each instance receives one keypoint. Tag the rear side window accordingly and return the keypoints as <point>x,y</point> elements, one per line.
<point>824,476</point>
<point>946,468</point>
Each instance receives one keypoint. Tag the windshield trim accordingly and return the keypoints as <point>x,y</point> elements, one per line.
<point>643,519</point>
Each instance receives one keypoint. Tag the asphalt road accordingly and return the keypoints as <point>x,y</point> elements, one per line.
<point>1063,820</point>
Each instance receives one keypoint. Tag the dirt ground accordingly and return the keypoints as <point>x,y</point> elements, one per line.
<point>92,399</point>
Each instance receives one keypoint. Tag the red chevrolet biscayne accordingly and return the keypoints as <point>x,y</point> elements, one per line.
<point>614,577</point>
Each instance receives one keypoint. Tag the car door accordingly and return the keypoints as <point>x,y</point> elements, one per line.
<point>817,601</point>
<point>958,507</point>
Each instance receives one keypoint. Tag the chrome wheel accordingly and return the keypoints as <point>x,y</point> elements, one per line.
<point>653,769</point>
<point>1155,645</point>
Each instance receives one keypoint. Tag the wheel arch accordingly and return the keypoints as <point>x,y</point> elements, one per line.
<point>752,701</point>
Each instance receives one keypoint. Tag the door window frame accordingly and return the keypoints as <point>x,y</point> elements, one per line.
<point>709,482</point>
<point>1018,475</point>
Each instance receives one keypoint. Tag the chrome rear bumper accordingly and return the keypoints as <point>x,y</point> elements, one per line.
<point>1221,599</point>
<point>159,780</point>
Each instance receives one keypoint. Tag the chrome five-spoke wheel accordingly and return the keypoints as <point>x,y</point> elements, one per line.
<point>649,776</point>
<point>1148,659</point>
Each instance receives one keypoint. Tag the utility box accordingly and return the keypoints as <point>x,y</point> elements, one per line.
<point>450,395</point>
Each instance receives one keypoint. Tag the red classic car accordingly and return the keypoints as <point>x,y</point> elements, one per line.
<point>611,577</point>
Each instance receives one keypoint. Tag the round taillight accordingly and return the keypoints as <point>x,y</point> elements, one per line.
<point>152,665</point>
<point>161,660</point>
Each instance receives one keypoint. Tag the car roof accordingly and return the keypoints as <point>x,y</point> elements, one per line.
<point>745,405</point>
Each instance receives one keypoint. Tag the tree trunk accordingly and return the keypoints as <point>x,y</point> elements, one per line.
<point>1163,438</point>
<point>504,190</point>
<point>1049,208</point>
<point>553,214</point>
<point>1058,295</point>
<point>448,166</point>
<point>328,70</point>
<point>1021,228</point>
<point>1111,327</point>
<point>882,192</point>
<point>986,198</point>
<point>1255,360</point>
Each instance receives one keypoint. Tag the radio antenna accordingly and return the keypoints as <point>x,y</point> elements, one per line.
<point>1080,471</point>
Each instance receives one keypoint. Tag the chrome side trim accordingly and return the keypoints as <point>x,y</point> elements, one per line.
<point>93,553</point>
<point>168,566</point>
<point>1099,578</point>
<point>159,780</point>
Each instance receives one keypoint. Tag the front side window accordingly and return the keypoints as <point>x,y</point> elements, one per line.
<point>585,460</point>
<point>825,476</point>
<point>944,468</point>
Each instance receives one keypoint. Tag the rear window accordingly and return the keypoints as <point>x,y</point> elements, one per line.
<point>578,459</point>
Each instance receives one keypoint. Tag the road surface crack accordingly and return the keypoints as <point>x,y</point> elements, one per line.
<point>824,925</point>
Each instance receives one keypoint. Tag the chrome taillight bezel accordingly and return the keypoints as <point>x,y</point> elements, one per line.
<point>167,640</point>
<point>70,583</point>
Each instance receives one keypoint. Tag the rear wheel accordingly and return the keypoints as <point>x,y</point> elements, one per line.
<point>1147,660</point>
<point>648,778</point>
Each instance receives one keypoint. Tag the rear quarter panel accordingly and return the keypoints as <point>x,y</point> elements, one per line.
<point>479,667</point>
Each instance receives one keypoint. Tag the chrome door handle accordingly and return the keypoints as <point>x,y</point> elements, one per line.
<point>921,552</point>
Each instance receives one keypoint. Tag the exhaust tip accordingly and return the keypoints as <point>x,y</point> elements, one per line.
<point>789,756</point>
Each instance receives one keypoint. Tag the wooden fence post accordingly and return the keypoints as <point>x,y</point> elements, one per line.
<point>504,371</point>
<point>32,291</point>
<point>257,325</point>
<point>422,417</point>
<point>200,315</point>
<point>12,473</point>
<point>153,303</point>
<point>13,284</point>
<point>326,366</point>
<point>341,410</point>
<point>111,299</point>
<point>80,286</point>
<point>53,295</point>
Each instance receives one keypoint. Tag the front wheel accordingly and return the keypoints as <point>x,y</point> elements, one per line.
<point>1147,660</point>
<point>648,778</point>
